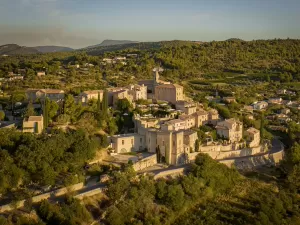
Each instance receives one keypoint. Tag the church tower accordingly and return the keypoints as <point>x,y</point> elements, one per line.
<point>156,71</point>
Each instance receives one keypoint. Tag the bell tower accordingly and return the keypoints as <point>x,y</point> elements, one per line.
<point>156,71</point>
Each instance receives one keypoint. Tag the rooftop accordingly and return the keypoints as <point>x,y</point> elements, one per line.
<point>169,86</point>
<point>252,130</point>
<point>92,92</point>
<point>52,91</point>
<point>170,122</point>
<point>35,118</point>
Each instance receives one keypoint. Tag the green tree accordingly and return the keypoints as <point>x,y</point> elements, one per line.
<point>2,115</point>
<point>197,145</point>
<point>30,110</point>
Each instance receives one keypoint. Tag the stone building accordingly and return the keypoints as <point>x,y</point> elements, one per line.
<point>230,129</point>
<point>52,94</point>
<point>253,137</point>
<point>137,92</point>
<point>186,107</point>
<point>124,143</point>
<point>151,84</point>
<point>169,92</point>
<point>33,124</point>
<point>201,118</point>
<point>213,117</point>
<point>85,96</point>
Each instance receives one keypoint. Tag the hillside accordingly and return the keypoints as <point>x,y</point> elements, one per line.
<point>46,49</point>
<point>108,42</point>
<point>140,46</point>
<point>13,49</point>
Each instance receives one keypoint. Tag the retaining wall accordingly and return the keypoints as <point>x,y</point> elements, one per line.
<point>145,162</point>
<point>38,198</point>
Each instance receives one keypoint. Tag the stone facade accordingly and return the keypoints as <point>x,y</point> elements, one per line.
<point>52,94</point>
<point>85,96</point>
<point>186,107</point>
<point>230,129</point>
<point>127,143</point>
<point>253,137</point>
<point>137,92</point>
<point>169,92</point>
<point>34,124</point>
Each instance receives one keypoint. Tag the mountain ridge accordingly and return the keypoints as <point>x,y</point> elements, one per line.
<point>53,48</point>
<point>110,42</point>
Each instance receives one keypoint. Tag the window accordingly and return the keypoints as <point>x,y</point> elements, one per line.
<point>122,142</point>
<point>141,140</point>
<point>163,143</point>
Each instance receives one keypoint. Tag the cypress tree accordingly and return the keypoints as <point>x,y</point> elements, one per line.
<point>262,126</point>
<point>46,112</point>
<point>105,101</point>
<point>98,103</point>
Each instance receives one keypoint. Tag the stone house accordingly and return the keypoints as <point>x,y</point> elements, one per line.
<point>137,92</point>
<point>125,143</point>
<point>85,96</point>
<point>52,94</point>
<point>260,105</point>
<point>169,92</point>
<point>186,107</point>
<point>201,118</point>
<point>253,137</point>
<point>213,116</point>
<point>33,124</point>
<point>189,121</point>
<point>122,94</point>
<point>275,101</point>
<point>176,124</point>
<point>230,129</point>
<point>229,99</point>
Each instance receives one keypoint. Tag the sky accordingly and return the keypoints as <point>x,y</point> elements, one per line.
<point>81,23</point>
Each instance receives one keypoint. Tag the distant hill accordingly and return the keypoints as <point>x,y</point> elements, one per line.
<point>136,46</point>
<point>45,49</point>
<point>112,42</point>
<point>234,39</point>
<point>13,49</point>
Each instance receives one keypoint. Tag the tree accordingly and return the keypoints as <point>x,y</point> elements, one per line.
<point>174,196</point>
<point>98,103</point>
<point>2,115</point>
<point>104,106</point>
<point>70,106</point>
<point>262,126</point>
<point>197,145</point>
<point>46,113</point>
<point>30,110</point>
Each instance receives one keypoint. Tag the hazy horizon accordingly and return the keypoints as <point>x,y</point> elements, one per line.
<point>76,24</point>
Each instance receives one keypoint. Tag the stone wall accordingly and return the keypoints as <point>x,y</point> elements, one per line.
<point>145,162</point>
<point>44,196</point>
<point>228,154</point>
<point>171,172</point>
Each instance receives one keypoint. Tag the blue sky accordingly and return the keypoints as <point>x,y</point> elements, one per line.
<point>79,23</point>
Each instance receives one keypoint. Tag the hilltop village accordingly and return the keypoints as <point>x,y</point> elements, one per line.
<point>174,133</point>
<point>156,133</point>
